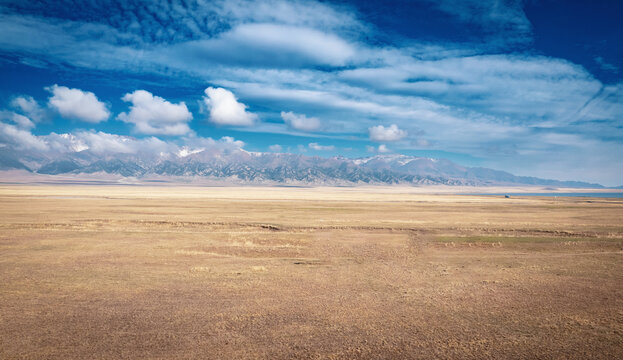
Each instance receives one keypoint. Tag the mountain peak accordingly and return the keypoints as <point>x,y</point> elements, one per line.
<point>276,168</point>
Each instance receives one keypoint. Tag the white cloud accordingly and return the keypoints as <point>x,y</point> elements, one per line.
<point>317,147</point>
<point>185,151</point>
<point>275,148</point>
<point>420,143</point>
<point>300,121</point>
<point>66,143</point>
<point>271,45</point>
<point>20,139</point>
<point>382,149</point>
<point>29,107</point>
<point>225,108</point>
<point>19,120</point>
<point>227,141</point>
<point>154,115</point>
<point>194,144</point>
<point>284,41</point>
<point>102,144</point>
<point>22,121</point>
<point>390,133</point>
<point>77,104</point>
<point>288,12</point>
<point>105,144</point>
<point>606,104</point>
<point>356,105</point>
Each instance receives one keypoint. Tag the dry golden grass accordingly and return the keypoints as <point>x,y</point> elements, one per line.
<point>174,272</point>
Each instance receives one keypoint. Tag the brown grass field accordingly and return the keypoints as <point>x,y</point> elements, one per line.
<point>112,272</point>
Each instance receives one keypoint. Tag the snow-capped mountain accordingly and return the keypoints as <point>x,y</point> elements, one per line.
<point>241,166</point>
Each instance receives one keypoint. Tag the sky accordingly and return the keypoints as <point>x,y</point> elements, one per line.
<point>531,87</point>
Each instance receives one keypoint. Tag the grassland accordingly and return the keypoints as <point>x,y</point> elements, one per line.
<point>116,272</point>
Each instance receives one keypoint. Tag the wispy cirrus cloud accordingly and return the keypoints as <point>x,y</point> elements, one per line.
<point>318,147</point>
<point>504,21</point>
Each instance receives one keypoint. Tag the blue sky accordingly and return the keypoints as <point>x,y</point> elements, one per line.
<point>531,87</point>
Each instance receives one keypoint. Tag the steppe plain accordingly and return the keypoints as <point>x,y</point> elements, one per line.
<point>165,272</point>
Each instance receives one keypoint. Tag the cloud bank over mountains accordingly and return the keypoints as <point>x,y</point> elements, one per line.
<point>85,154</point>
<point>319,71</point>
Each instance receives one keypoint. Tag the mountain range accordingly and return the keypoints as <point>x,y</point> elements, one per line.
<point>240,166</point>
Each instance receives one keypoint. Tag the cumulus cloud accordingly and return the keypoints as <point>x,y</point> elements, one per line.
<point>382,149</point>
<point>20,139</point>
<point>29,107</point>
<point>77,104</point>
<point>226,142</point>
<point>22,121</point>
<point>317,147</point>
<point>225,109</point>
<point>275,148</point>
<point>19,120</point>
<point>154,115</point>
<point>300,121</point>
<point>390,133</point>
